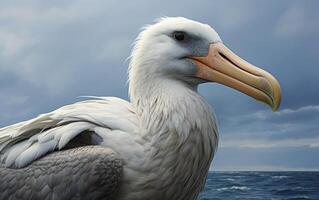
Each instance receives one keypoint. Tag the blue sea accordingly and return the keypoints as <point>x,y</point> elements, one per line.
<point>261,185</point>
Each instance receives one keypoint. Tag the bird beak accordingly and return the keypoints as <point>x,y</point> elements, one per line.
<point>223,66</point>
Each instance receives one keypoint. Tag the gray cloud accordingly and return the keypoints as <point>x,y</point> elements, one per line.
<point>285,124</point>
<point>52,52</point>
<point>300,19</point>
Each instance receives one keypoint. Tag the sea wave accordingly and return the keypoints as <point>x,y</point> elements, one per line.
<point>298,198</point>
<point>280,177</point>
<point>241,188</point>
<point>261,185</point>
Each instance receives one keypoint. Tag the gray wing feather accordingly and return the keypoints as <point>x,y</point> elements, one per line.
<point>90,172</point>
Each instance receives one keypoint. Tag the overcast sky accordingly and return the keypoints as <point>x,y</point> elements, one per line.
<point>51,52</point>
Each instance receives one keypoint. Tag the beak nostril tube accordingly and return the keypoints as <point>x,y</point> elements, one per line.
<point>226,58</point>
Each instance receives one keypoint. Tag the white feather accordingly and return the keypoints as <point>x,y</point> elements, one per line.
<point>34,152</point>
<point>68,132</point>
<point>55,129</point>
<point>166,137</point>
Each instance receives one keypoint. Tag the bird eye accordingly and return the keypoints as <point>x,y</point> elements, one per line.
<point>179,36</point>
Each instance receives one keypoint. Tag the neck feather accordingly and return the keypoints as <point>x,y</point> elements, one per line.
<point>182,133</point>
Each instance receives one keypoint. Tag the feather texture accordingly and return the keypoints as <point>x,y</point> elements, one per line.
<point>27,141</point>
<point>166,137</point>
<point>86,173</point>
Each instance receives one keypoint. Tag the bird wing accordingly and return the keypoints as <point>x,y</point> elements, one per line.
<point>22,143</point>
<point>86,173</point>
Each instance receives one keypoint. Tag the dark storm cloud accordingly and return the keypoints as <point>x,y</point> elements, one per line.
<point>53,51</point>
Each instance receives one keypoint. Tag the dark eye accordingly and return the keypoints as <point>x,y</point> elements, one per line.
<point>179,36</point>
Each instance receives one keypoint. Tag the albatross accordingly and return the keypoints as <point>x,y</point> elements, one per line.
<point>159,145</point>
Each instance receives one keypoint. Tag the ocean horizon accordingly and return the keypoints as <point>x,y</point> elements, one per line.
<point>263,185</point>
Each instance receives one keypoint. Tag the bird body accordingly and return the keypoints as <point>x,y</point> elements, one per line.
<point>168,156</point>
<point>160,144</point>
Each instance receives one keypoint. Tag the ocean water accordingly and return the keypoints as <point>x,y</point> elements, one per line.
<point>261,185</point>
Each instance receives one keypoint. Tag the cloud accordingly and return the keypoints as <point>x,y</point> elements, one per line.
<point>45,45</point>
<point>261,168</point>
<point>300,19</point>
<point>10,43</point>
<point>264,124</point>
<point>286,128</point>
<point>281,143</point>
<point>53,51</point>
<point>287,111</point>
<point>277,158</point>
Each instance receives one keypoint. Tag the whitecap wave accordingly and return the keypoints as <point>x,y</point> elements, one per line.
<point>241,188</point>
<point>280,177</point>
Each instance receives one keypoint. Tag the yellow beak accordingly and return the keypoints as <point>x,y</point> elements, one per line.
<point>223,66</point>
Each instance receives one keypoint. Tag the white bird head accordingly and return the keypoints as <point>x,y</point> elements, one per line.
<point>184,51</point>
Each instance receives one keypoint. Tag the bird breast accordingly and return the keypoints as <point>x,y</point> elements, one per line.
<point>178,146</point>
